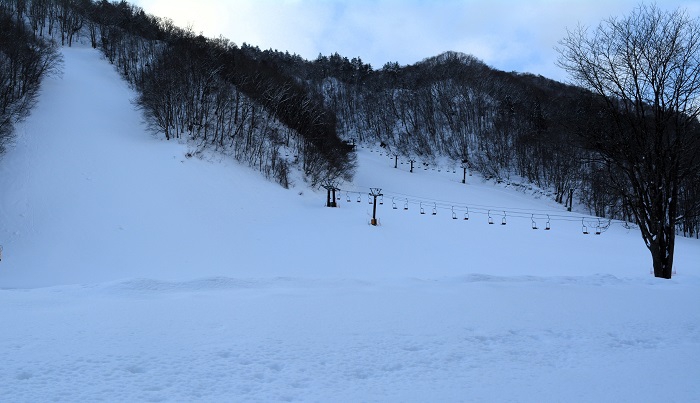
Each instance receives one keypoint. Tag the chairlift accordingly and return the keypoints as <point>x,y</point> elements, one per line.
<point>347,196</point>
<point>584,229</point>
<point>369,199</point>
<point>405,206</point>
<point>598,228</point>
<point>454,215</point>
<point>490,218</point>
<point>381,200</point>
<point>547,226</point>
<point>359,198</point>
<point>434,208</point>
<point>503,220</point>
<point>466,215</point>
<point>534,224</point>
<point>393,204</point>
<point>421,208</point>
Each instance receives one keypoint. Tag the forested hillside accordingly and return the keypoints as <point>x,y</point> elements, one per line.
<point>207,92</point>
<point>276,111</point>
<point>24,61</point>
<point>508,126</point>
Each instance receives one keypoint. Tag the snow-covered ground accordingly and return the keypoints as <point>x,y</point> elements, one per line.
<point>133,273</point>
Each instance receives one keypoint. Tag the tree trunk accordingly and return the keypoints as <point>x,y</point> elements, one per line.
<point>662,253</point>
<point>658,225</point>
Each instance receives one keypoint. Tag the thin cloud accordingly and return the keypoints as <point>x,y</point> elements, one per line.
<point>508,35</point>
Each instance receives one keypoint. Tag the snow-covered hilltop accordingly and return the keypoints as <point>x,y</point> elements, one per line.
<point>132,272</point>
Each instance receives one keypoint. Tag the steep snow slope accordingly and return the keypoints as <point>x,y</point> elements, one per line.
<point>133,273</point>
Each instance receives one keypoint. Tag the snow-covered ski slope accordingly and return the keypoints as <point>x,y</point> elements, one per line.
<point>133,273</point>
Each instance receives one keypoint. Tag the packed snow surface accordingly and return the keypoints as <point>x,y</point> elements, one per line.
<point>131,272</point>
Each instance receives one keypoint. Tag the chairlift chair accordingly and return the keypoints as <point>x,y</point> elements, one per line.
<point>393,204</point>
<point>490,218</point>
<point>434,208</point>
<point>405,206</point>
<point>503,220</point>
<point>421,209</point>
<point>534,224</point>
<point>454,215</point>
<point>466,215</point>
<point>547,226</point>
<point>584,229</point>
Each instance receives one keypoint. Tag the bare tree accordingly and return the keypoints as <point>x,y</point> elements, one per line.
<point>24,62</point>
<point>644,70</point>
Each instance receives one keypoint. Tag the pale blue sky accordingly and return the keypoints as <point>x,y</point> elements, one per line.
<point>506,34</point>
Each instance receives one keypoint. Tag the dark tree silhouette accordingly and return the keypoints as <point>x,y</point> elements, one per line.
<point>645,70</point>
<point>24,61</point>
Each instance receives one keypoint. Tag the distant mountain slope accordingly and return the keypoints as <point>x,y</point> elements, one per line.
<point>89,196</point>
<point>281,114</point>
